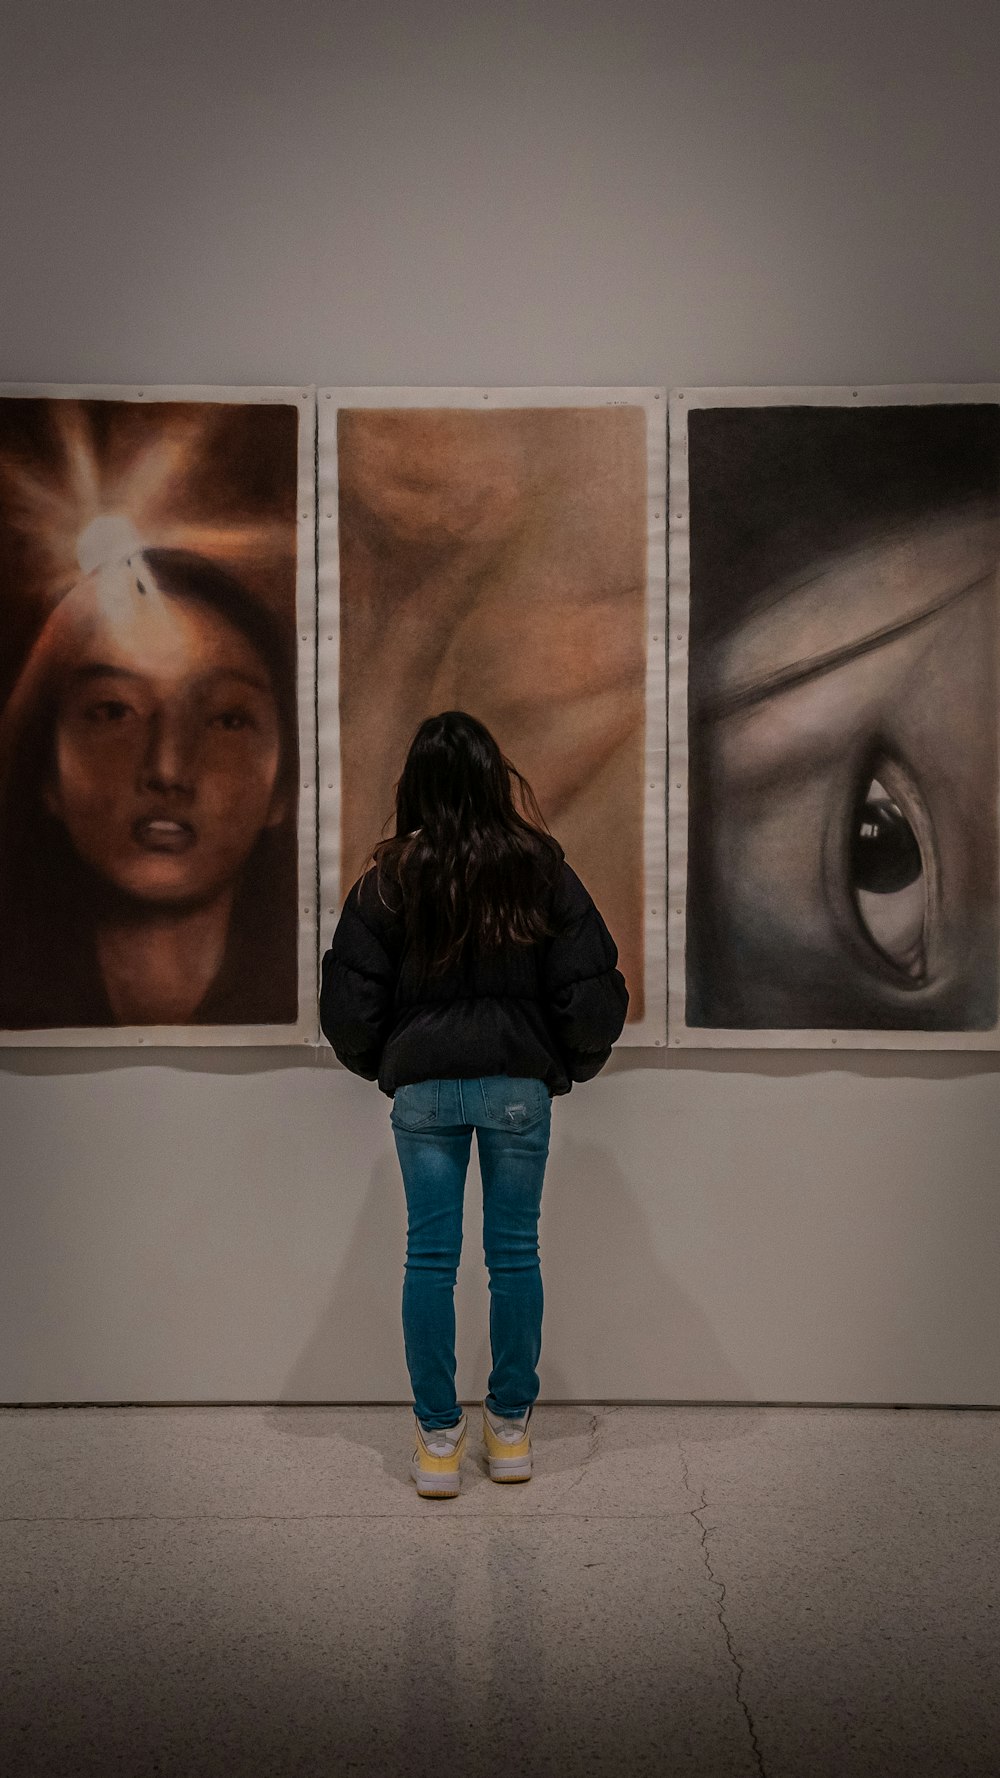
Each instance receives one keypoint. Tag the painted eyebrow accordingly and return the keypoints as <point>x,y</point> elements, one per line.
<point>788,678</point>
<point>240,674</point>
<point>105,670</point>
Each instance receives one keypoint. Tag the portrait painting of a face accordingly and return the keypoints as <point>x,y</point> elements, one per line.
<point>835,589</point>
<point>149,722</point>
<point>501,552</point>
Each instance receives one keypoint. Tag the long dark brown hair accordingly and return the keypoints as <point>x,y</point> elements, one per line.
<point>471,857</point>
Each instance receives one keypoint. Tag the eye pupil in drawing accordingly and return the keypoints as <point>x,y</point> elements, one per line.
<point>885,856</point>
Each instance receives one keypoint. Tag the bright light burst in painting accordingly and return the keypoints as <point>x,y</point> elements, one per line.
<point>91,502</point>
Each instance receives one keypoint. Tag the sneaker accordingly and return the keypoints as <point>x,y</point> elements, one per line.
<point>508,1447</point>
<point>436,1460</point>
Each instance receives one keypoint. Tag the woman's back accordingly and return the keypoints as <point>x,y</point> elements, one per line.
<point>551,1008</point>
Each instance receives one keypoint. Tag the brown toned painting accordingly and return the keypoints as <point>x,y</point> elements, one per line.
<point>148,729</point>
<point>496,561</point>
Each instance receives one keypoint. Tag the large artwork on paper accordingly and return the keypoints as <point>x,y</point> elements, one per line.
<point>501,552</point>
<point>149,724</point>
<point>834,649</point>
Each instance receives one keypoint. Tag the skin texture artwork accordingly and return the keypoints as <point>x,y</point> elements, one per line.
<point>496,562</point>
<point>842,696</point>
<point>148,738</point>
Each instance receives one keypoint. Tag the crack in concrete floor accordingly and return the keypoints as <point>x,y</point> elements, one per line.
<point>720,1588</point>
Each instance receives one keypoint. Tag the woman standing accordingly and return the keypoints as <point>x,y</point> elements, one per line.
<point>472,976</point>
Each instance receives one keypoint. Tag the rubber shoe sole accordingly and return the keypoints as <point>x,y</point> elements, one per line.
<point>435,1487</point>
<point>510,1469</point>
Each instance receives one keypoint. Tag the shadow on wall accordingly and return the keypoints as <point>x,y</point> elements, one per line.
<point>612,1313</point>
<point>622,1319</point>
<point>768,1063</point>
<point>360,1335</point>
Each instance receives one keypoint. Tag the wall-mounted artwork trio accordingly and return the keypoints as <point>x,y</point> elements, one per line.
<point>207,687</point>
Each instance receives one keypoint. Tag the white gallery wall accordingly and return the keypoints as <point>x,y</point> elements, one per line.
<point>347,192</point>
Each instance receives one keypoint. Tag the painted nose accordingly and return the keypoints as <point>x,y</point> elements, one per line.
<point>168,763</point>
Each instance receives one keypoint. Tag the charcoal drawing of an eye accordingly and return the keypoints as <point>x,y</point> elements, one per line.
<point>842,753</point>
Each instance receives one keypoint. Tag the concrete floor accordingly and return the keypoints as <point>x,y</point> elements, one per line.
<point>803,1593</point>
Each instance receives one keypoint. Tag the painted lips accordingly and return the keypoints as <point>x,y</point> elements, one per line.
<point>160,833</point>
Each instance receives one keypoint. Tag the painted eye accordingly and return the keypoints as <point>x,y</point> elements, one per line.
<point>888,880</point>
<point>231,720</point>
<point>109,710</point>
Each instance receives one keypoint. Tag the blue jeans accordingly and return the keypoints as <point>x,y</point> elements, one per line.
<point>433,1123</point>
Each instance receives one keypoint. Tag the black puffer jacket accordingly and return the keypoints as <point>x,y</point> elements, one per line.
<point>551,1011</point>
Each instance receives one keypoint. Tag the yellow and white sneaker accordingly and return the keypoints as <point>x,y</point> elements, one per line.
<point>436,1460</point>
<point>508,1447</point>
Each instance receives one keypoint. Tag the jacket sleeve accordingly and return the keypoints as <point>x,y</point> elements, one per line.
<point>585,991</point>
<point>358,984</point>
